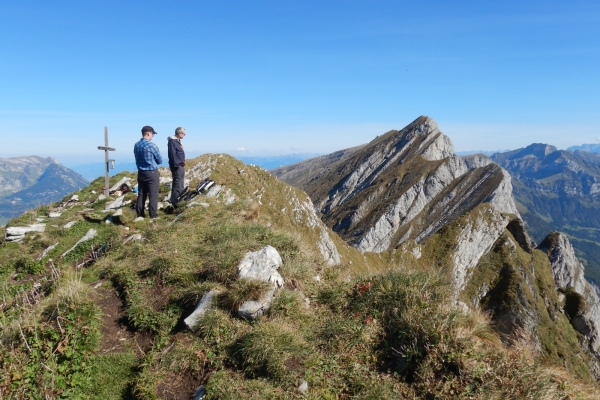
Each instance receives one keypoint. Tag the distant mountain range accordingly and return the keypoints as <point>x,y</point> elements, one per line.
<point>559,190</point>
<point>29,182</point>
<point>592,148</point>
<point>92,171</point>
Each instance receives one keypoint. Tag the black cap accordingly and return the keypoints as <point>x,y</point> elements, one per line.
<point>149,129</point>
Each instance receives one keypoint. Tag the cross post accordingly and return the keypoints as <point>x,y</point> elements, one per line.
<point>106,161</point>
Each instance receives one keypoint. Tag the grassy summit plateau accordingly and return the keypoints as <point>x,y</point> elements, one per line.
<point>105,321</point>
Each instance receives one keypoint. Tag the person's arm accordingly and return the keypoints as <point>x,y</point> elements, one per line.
<point>157,156</point>
<point>180,155</point>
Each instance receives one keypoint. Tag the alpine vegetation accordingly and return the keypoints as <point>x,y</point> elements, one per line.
<point>251,294</point>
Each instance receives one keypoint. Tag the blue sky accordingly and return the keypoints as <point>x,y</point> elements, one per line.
<point>281,77</point>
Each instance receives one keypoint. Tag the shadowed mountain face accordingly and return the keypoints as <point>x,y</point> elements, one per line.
<point>39,181</point>
<point>559,190</point>
<point>403,185</point>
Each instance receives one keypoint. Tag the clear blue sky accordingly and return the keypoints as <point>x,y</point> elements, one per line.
<point>280,77</point>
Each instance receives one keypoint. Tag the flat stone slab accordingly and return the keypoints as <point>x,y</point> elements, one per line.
<point>115,204</point>
<point>17,233</point>
<point>135,236</point>
<point>46,251</point>
<point>92,233</point>
<point>203,306</point>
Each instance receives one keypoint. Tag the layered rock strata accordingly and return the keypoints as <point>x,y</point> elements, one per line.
<point>403,185</point>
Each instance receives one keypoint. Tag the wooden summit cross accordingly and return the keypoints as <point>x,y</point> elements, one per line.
<point>106,165</point>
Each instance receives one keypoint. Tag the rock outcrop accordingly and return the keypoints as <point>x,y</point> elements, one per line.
<point>403,185</point>
<point>260,265</point>
<point>569,277</point>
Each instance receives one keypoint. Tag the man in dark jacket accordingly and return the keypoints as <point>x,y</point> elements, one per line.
<point>176,164</point>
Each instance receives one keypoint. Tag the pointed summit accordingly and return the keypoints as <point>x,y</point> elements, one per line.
<point>405,184</point>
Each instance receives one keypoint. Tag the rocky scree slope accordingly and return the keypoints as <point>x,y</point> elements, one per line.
<point>406,194</point>
<point>558,190</point>
<point>105,317</point>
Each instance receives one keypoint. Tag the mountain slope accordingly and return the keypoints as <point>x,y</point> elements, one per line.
<point>52,184</point>
<point>19,173</point>
<point>559,190</point>
<point>106,319</point>
<point>410,184</point>
<point>407,192</point>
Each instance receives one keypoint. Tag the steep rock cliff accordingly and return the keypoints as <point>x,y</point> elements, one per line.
<point>403,185</point>
<point>582,303</point>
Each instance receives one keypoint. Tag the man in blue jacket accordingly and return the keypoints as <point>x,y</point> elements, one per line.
<point>147,158</point>
<point>176,164</point>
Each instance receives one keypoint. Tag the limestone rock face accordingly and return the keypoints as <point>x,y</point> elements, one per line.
<point>403,185</point>
<point>475,239</point>
<point>477,160</point>
<point>569,273</point>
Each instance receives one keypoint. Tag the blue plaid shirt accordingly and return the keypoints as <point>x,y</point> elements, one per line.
<point>147,155</point>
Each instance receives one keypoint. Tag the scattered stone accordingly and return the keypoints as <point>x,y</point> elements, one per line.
<point>228,197</point>
<point>252,309</point>
<point>138,219</point>
<point>317,278</point>
<point>40,219</point>
<point>203,306</point>
<point>306,301</point>
<point>97,285</point>
<point>197,203</point>
<point>262,265</point>
<point>92,233</point>
<point>46,251</point>
<point>115,204</point>
<point>118,217</point>
<point>135,236</point>
<point>74,198</point>
<point>54,215</point>
<point>303,388</point>
<point>17,233</point>
<point>93,192</point>
<point>70,224</point>
<point>101,197</point>
<point>214,191</point>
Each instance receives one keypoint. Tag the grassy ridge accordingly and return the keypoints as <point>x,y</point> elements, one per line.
<point>376,326</point>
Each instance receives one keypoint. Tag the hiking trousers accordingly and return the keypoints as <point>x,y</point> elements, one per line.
<point>178,174</point>
<point>148,182</point>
